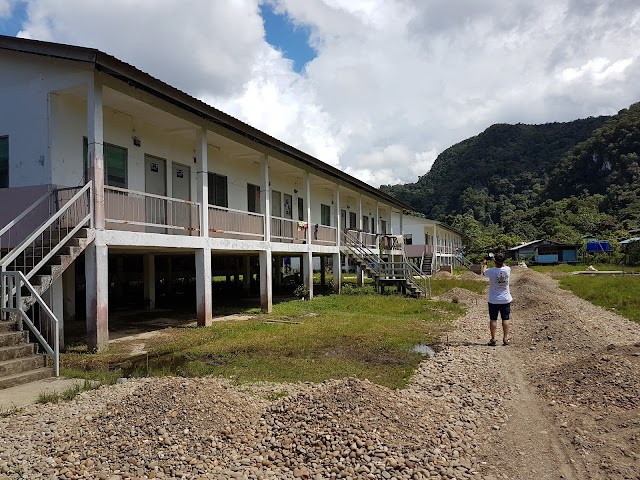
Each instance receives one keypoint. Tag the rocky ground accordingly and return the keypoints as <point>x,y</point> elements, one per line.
<point>562,401</point>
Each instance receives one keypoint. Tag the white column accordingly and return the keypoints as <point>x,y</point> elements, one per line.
<point>307,203</point>
<point>337,273</point>
<point>359,271</point>
<point>338,226</point>
<point>401,223</point>
<point>266,295</point>
<point>307,271</point>
<point>391,229</point>
<point>378,218</point>
<point>95,142</point>
<point>149,267</point>
<point>265,198</point>
<point>96,270</point>
<point>203,287</point>
<point>203,180</point>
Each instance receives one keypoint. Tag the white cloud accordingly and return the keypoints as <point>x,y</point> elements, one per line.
<point>5,8</point>
<point>394,83</point>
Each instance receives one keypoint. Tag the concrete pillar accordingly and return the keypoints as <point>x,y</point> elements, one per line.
<point>95,146</point>
<point>307,203</point>
<point>203,287</point>
<point>53,297</point>
<point>338,226</point>
<point>69,289</point>
<point>307,269</point>
<point>391,229</point>
<point>323,270</point>
<point>170,278</point>
<point>246,277</point>
<point>96,271</point>
<point>266,294</point>
<point>401,232</point>
<point>337,273</point>
<point>265,200</point>
<point>359,271</point>
<point>203,182</point>
<point>149,267</point>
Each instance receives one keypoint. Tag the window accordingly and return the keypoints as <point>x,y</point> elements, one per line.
<point>408,239</point>
<point>353,220</point>
<point>383,226</point>
<point>4,162</point>
<point>300,209</point>
<point>343,219</point>
<point>218,190</point>
<point>365,223</point>
<point>325,214</point>
<point>115,164</point>
<point>253,198</point>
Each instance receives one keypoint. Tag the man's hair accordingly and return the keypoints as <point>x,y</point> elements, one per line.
<point>499,258</point>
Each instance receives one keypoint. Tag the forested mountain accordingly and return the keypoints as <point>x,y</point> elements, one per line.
<point>521,182</point>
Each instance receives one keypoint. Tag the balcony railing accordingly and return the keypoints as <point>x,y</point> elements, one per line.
<point>229,223</point>
<point>141,211</point>
<point>370,240</point>
<point>323,235</point>
<point>286,230</point>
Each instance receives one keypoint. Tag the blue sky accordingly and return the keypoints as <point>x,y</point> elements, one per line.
<point>13,24</point>
<point>388,85</point>
<point>291,40</point>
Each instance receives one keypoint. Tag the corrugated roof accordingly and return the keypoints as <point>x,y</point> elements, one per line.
<point>135,77</point>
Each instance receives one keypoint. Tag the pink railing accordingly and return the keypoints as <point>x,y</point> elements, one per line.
<point>230,223</point>
<point>141,211</point>
<point>323,235</point>
<point>288,231</point>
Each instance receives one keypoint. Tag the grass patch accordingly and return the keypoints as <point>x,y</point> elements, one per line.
<point>368,336</point>
<point>619,292</point>
<point>443,285</point>
<point>9,411</point>
<point>558,269</point>
<point>68,393</point>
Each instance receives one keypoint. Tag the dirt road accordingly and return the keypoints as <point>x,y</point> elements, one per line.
<point>562,401</point>
<point>571,379</point>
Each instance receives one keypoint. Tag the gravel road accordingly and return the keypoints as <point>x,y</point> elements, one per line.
<point>562,401</point>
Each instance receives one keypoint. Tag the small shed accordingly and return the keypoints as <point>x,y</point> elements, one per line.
<point>546,252</point>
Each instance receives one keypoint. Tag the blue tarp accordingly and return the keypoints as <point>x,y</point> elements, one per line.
<point>598,246</point>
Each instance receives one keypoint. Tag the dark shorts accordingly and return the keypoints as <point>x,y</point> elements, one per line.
<point>503,308</point>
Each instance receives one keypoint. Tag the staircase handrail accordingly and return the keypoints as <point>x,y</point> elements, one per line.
<point>13,222</point>
<point>12,283</point>
<point>14,253</point>
<point>426,279</point>
<point>362,251</point>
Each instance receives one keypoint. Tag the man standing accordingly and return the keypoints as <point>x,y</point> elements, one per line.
<point>499,299</point>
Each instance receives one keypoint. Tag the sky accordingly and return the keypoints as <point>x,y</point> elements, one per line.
<point>377,88</point>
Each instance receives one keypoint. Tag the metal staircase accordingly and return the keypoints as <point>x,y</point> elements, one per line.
<point>29,264</point>
<point>426,263</point>
<point>401,273</point>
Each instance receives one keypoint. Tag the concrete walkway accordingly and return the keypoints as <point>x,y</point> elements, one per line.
<point>27,394</point>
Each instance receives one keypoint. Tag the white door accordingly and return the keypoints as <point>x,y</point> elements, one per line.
<point>182,214</point>
<point>155,182</point>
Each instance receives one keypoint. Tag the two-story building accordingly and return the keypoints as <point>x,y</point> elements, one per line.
<point>105,166</point>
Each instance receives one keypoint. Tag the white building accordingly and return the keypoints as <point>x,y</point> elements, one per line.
<point>428,243</point>
<point>104,166</point>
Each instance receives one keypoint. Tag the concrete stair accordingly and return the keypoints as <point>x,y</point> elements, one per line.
<point>427,259</point>
<point>20,361</point>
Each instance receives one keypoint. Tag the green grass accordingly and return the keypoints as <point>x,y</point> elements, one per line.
<point>68,393</point>
<point>443,285</point>
<point>556,269</point>
<point>619,292</point>
<point>9,411</point>
<point>368,336</point>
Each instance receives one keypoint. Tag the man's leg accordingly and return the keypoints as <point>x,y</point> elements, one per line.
<point>505,330</point>
<point>493,326</point>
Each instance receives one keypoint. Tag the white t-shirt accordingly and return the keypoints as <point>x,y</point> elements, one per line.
<point>499,284</point>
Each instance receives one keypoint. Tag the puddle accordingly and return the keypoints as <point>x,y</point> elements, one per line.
<point>423,349</point>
